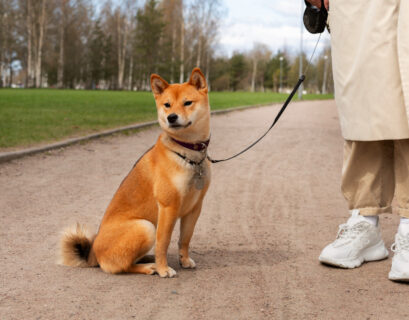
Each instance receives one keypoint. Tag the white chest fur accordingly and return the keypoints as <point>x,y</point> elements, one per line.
<point>184,182</point>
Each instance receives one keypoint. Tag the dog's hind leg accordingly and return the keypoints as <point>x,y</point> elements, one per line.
<point>118,247</point>
<point>145,268</point>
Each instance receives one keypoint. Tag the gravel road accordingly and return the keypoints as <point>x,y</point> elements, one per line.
<point>265,220</point>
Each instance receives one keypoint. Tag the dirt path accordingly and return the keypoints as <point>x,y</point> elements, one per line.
<point>265,220</point>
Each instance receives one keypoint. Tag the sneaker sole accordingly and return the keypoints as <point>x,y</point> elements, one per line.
<point>398,277</point>
<point>374,253</point>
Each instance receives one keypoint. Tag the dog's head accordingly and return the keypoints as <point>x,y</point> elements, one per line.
<point>183,109</point>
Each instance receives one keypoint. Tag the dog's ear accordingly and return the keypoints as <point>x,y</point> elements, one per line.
<point>198,80</point>
<point>158,84</point>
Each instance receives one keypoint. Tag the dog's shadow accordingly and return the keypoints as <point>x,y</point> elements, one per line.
<point>222,258</point>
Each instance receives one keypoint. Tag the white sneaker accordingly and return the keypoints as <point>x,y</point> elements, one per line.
<point>357,241</point>
<point>400,262</point>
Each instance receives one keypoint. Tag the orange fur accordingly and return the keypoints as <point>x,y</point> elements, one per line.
<point>159,189</point>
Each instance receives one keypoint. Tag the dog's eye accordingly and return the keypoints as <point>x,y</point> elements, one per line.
<point>167,105</point>
<point>188,103</point>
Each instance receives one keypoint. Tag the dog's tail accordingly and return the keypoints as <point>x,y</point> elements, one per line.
<point>76,247</point>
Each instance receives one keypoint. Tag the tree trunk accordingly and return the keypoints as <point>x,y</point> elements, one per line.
<point>324,80</point>
<point>29,75</point>
<point>11,74</point>
<point>34,34</point>
<point>182,52</point>
<point>172,66</point>
<point>275,84</point>
<point>253,77</point>
<point>2,49</point>
<point>208,68</point>
<point>130,86</point>
<point>119,51</point>
<point>130,48</point>
<point>60,71</point>
<point>122,44</point>
<point>41,24</point>
<point>1,72</point>
<point>199,50</point>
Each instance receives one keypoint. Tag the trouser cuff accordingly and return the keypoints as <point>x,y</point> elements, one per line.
<point>403,212</point>
<point>373,211</point>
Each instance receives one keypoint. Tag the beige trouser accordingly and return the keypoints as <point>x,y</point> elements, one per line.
<point>373,173</point>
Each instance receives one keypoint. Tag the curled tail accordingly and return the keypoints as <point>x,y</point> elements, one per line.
<point>76,247</point>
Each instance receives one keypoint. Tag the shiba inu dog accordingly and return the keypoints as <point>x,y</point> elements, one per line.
<point>167,183</point>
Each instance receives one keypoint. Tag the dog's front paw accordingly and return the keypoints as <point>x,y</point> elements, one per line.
<point>166,272</point>
<point>187,263</point>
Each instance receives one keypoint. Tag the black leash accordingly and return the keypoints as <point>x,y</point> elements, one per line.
<point>286,103</point>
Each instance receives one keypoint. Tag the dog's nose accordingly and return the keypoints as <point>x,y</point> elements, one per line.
<point>172,118</point>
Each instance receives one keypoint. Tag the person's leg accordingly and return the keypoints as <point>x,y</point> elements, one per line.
<point>402,177</point>
<point>368,186</point>
<point>368,181</point>
<point>400,262</point>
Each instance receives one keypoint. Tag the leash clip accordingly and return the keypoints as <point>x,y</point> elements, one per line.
<point>203,147</point>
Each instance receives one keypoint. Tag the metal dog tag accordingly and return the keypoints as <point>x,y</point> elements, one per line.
<point>199,178</point>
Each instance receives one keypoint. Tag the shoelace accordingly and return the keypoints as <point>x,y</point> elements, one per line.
<point>401,243</point>
<point>346,232</point>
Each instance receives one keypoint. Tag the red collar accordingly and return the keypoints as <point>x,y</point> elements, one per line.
<point>201,146</point>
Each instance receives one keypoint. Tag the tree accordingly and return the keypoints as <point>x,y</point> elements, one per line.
<point>36,18</point>
<point>220,75</point>
<point>9,41</point>
<point>258,55</point>
<point>182,46</point>
<point>96,54</point>
<point>3,33</point>
<point>60,71</point>
<point>276,70</point>
<point>2,40</point>
<point>148,36</point>
<point>237,70</point>
<point>173,18</point>
<point>324,75</point>
<point>77,34</point>
<point>124,13</point>
<point>30,27</point>
<point>39,40</point>
<point>203,24</point>
<point>204,17</point>
<point>109,67</point>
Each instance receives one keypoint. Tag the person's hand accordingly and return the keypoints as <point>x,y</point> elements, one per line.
<point>317,3</point>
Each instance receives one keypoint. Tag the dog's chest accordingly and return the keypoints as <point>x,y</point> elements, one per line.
<point>190,184</point>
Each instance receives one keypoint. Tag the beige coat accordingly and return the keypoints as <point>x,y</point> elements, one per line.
<point>370,53</point>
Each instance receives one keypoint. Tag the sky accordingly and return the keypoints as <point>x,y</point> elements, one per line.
<point>275,23</point>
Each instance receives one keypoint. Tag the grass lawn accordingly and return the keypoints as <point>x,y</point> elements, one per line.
<point>29,116</point>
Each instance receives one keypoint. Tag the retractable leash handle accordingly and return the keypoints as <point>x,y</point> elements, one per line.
<point>286,103</point>
<point>315,19</point>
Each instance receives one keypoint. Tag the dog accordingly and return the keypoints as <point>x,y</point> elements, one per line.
<point>167,183</point>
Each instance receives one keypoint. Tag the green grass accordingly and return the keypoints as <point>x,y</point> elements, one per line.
<point>29,117</point>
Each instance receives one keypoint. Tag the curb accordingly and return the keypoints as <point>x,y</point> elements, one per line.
<point>8,156</point>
